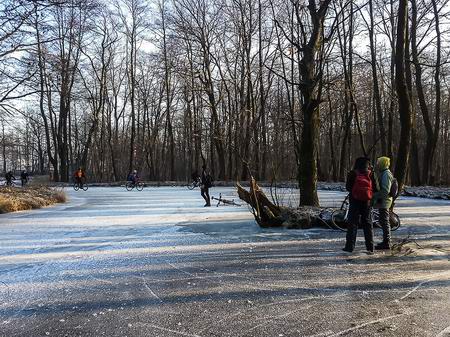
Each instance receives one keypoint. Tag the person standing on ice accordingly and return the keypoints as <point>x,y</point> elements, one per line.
<point>382,200</point>
<point>360,184</point>
<point>206,185</point>
<point>24,176</point>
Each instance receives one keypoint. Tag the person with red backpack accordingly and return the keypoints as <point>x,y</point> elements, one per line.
<point>360,184</point>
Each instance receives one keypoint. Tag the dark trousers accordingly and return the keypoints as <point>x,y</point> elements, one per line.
<point>383,216</point>
<point>359,214</point>
<point>79,181</point>
<point>205,195</point>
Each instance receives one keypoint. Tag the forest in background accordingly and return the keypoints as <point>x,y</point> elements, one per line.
<point>294,89</point>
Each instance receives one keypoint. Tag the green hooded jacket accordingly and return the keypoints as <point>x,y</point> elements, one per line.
<point>383,179</point>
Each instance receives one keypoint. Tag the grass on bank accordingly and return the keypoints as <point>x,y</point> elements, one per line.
<point>13,199</point>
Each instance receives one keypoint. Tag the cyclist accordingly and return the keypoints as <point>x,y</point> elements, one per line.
<point>9,176</point>
<point>360,183</point>
<point>79,176</point>
<point>24,177</point>
<point>195,176</point>
<point>383,199</point>
<point>206,185</point>
<point>133,177</point>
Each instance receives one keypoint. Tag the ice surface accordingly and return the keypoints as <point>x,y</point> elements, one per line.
<point>157,263</point>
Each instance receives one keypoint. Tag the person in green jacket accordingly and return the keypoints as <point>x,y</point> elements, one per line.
<point>382,200</point>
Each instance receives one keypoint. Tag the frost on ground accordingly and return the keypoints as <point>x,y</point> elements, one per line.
<point>157,263</point>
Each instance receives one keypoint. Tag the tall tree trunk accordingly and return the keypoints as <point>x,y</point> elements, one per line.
<point>171,141</point>
<point>132,74</point>
<point>262,95</point>
<point>52,159</point>
<point>311,100</point>
<point>376,88</point>
<point>433,140</point>
<point>404,99</point>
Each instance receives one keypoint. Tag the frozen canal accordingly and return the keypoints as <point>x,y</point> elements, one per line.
<point>156,263</point>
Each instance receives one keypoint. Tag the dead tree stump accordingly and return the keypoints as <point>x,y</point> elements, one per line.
<point>267,214</point>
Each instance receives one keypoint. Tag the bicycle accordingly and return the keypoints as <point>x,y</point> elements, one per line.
<point>131,184</point>
<point>77,186</point>
<point>195,183</point>
<point>224,201</point>
<point>10,183</point>
<point>339,217</point>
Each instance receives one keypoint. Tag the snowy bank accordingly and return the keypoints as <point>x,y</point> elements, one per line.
<point>429,192</point>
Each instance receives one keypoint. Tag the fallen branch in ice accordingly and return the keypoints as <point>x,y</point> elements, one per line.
<point>408,246</point>
<point>267,214</point>
<point>403,247</point>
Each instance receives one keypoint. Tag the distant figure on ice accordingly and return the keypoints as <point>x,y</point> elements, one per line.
<point>195,176</point>
<point>24,177</point>
<point>9,178</point>
<point>133,177</point>
<point>79,176</point>
<point>387,188</point>
<point>360,183</point>
<point>206,185</point>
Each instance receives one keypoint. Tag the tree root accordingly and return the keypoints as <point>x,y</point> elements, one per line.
<point>267,214</point>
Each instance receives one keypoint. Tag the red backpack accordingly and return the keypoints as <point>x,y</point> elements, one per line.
<point>362,187</point>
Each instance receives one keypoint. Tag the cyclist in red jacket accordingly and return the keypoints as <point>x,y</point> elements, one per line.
<point>79,176</point>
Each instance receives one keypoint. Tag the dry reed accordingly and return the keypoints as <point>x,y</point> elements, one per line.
<point>13,199</point>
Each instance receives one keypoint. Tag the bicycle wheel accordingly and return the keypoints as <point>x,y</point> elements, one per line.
<point>139,186</point>
<point>191,186</point>
<point>129,185</point>
<point>345,203</point>
<point>76,187</point>
<point>375,218</point>
<point>85,187</point>
<point>394,221</point>
<point>339,219</point>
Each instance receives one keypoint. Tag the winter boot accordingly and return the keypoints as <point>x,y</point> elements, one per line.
<point>386,243</point>
<point>350,239</point>
<point>383,245</point>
